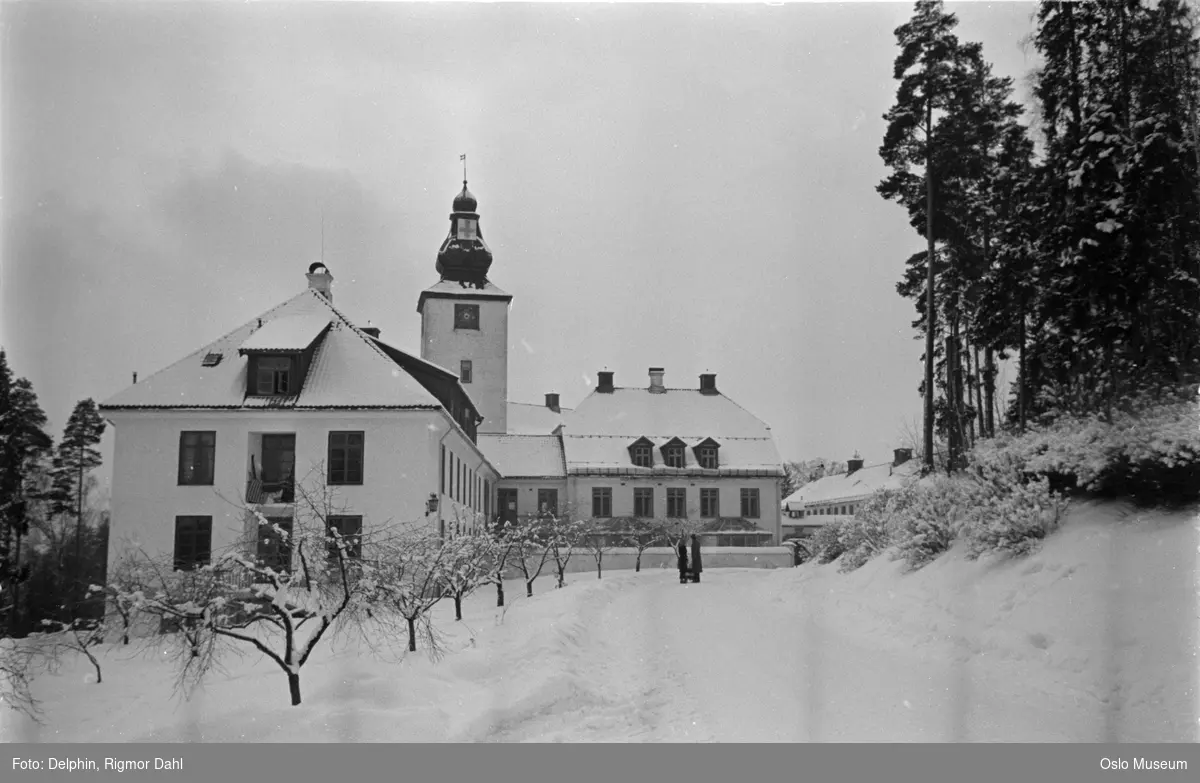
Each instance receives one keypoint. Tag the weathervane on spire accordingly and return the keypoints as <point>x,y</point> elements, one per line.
<point>463,158</point>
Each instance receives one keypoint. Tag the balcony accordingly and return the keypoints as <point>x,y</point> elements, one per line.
<point>271,478</point>
<point>266,493</point>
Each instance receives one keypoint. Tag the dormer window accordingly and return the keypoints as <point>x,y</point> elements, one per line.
<point>641,453</point>
<point>673,454</point>
<point>273,376</point>
<point>706,454</point>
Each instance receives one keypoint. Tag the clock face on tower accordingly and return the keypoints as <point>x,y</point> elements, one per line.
<point>466,316</point>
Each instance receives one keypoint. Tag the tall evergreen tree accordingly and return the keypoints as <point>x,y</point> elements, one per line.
<point>77,455</point>
<point>930,72</point>
<point>23,444</point>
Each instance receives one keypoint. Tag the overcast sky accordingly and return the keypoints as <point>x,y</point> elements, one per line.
<point>677,185</point>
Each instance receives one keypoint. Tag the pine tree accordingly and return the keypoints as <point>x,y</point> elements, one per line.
<point>77,455</point>
<point>930,73</point>
<point>23,444</point>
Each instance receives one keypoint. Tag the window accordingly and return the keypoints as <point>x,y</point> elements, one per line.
<point>197,458</point>
<point>487,499</point>
<point>677,503</point>
<point>465,228</point>
<point>466,316</point>
<point>548,501</point>
<point>274,375</point>
<point>674,456</point>
<point>211,360</point>
<point>602,501</point>
<point>643,456</point>
<point>749,503</point>
<point>349,528</point>
<point>274,548</point>
<point>346,457</point>
<point>442,471</point>
<point>708,457</point>
<point>193,542</point>
<point>278,466</point>
<point>710,503</point>
<point>643,502</point>
<point>464,371</point>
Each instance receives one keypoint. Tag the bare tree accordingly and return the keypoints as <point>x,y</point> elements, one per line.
<point>532,550</point>
<point>564,533</point>
<point>505,546</point>
<point>281,602</point>
<point>412,571</point>
<point>640,534</point>
<point>78,635</point>
<point>598,541</point>
<point>466,566</point>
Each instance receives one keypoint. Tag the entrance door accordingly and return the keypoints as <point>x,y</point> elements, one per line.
<point>508,504</point>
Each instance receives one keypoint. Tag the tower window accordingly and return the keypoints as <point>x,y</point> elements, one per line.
<point>466,316</point>
<point>464,371</point>
<point>643,457</point>
<point>466,229</point>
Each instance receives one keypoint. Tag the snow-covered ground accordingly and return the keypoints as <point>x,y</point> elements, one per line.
<point>1093,639</point>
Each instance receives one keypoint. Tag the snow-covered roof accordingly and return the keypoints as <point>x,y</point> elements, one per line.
<point>530,419</point>
<point>852,486</point>
<point>348,369</point>
<point>524,456</point>
<point>287,334</point>
<point>598,433</point>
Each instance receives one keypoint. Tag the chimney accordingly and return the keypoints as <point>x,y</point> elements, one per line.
<point>552,402</point>
<point>901,456</point>
<point>320,280</point>
<point>708,383</point>
<point>854,464</point>
<point>135,376</point>
<point>371,330</point>
<point>656,380</point>
<point>605,384</point>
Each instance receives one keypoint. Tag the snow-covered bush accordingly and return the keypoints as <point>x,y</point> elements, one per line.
<point>826,542</point>
<point>1150,452</point>
<point>929,516</point>
<point>868,534</point>
<point>1013,518</point>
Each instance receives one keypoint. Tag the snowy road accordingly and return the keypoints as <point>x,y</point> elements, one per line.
<point>655,661</point>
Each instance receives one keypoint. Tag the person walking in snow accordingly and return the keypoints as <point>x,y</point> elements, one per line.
<point>683,562</point>
<point>697,567</point>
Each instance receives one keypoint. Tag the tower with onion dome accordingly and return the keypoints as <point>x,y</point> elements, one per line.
<point>464,316</point>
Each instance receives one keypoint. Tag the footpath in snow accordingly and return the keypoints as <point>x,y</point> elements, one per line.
<point>1093,639</point>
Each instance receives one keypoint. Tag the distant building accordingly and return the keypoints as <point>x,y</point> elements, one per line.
<point>839,496</point>
<point>301,391</point>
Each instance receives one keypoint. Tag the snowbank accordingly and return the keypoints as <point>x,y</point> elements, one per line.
<point>1094,638</point>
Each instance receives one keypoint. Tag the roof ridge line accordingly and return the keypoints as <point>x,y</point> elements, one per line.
<point>208,345</point>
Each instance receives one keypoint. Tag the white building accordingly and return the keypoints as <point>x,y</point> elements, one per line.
<point>839,496</point>
<point>301,392</point>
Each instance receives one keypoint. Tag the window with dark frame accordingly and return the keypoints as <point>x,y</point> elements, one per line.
<point>466,316</point>
<point>442,471</point>
<point>677,503</point>
<point>274,375</point>
<point>349,528</point>
<point>708,457</point>
<point>346,457</point>
<point>643,456</point>
<point>674,457</point>
<point>548,501</point>
<point>193,542</point>
<point>602,501</point>
<point>710,503</point>
<point>464,370</point>
<point>750,503</point>
<point>197,458</point>
<point>643,501</point>
<point>506,497</point>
